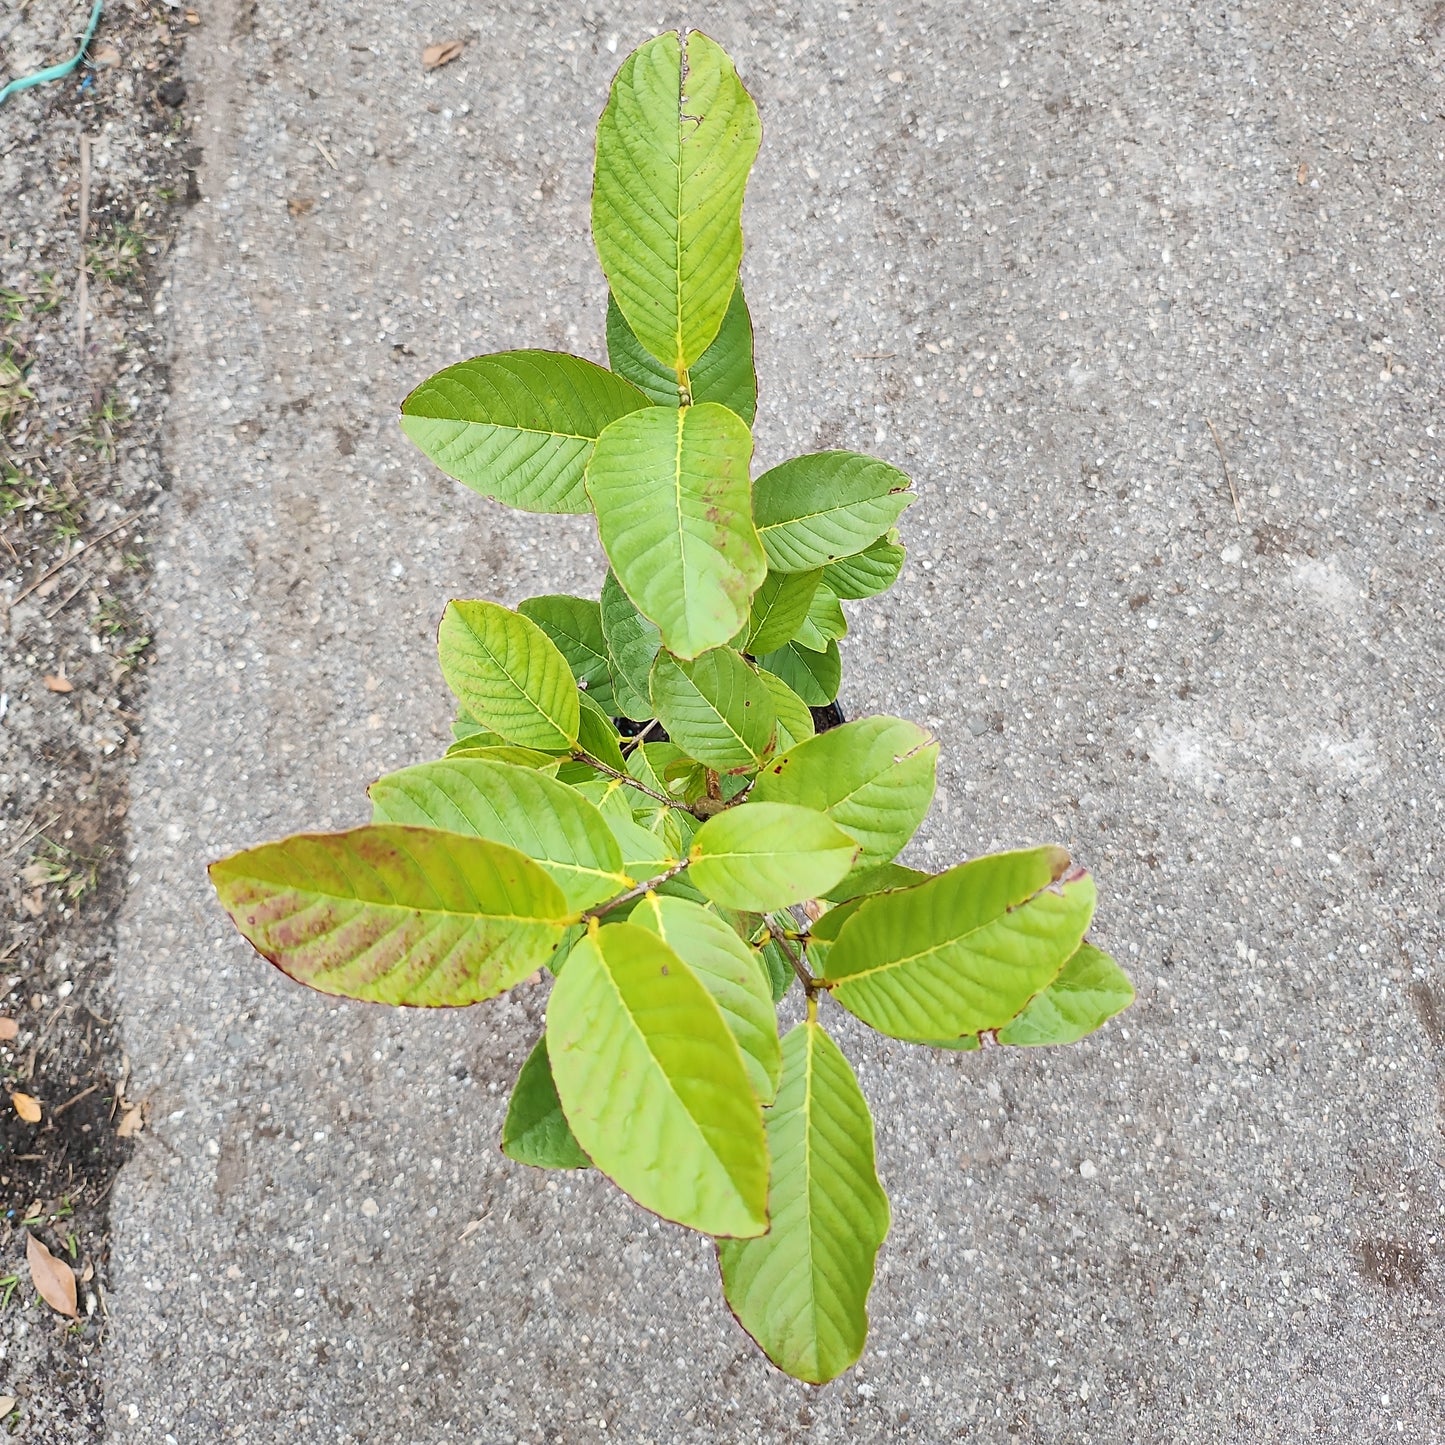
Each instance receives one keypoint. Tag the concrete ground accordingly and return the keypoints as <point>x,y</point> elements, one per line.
<point>1031,254</point>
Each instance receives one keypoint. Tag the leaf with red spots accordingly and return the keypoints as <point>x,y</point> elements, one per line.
<point>395,914</point>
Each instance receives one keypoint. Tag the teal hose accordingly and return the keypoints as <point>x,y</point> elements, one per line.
<point>55,72</point>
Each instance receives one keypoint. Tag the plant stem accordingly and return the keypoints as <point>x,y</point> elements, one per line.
<point>810,984</point>
<point>636,891</point>
<point>585,757</point>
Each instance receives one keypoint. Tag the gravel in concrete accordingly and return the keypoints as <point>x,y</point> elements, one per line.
<point>1030,253</point>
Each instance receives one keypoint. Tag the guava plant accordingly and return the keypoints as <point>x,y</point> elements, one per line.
<point>636,797</point>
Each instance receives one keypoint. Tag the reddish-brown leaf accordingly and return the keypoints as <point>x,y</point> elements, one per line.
<point>58,684</point>
<point>54,1280</point>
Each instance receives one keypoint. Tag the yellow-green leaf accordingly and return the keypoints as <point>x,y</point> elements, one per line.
<point>539,816</point>
<point>509,675</point>
<point>815,509</point>
<point>394,914</point>
<point>674,511</point>
<point>731,973</point>
<point>964,951</point>
<point>801,1291</point>
<point>762,856</point>
<point>674,148</point>
<point>873,777</point>
<point>717,709</point>
<point>653,1083</point>
<point>518,426</point>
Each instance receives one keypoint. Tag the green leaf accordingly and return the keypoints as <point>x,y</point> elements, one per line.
<point>518,426</point>
<point>964,951</point>
<point>801,1291</point>
<point>506,753</point>
<point>823,933</point>
<point>795,721</point>
<point>653,1083</point>
<point>730,972</point>
<point>880,879</point>
<point>686,779</point>
<point>575,625</point>
<point>674,148</point>
<point>536,1131</point>
<point>1088,992</point>
<point>645,852</point>
<point>674,513</point>
<point>779,609</point>
<point>874,778</point>
<point>873,570</point>
<point>508,675</point>
<point>824,623</point>
<point>762,856</point>
<point>649,762</point>
<point>723,373</point>
<point>717,709</point>
<point>596,734</point>
<point>815,509</point>
<point>632,643</point>
<point>395,915</point>
<point>780,971</point>
<point>968,1044</point>
<point>537,815</point>
<point>467,728</point>
<point>814,676</point>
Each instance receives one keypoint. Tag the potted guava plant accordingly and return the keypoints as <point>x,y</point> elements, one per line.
<point>637,797</point>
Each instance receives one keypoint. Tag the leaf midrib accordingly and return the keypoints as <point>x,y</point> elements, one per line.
<point>662,1072</point>
<point>501,666</point>
<point>426,910</point>
<point>897,761</point>
<point>932,949</point>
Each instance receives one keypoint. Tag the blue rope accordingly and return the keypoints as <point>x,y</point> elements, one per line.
<point>55,72</point>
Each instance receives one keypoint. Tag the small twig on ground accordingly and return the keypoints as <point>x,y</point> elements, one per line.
<point>69,598</point>
<point>26,837</point>
<point>81,298</point>
<point>875,356</point>
<point>74,1099</point>
<point>1224,462</point>
<point>65,562</point>
<point>330,159</point>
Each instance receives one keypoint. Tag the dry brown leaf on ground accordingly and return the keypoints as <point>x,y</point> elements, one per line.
<point>131,1122</point>
<point>102,57</point>
<point>54,1280</point>
<point>9,1029</point>
<point>7,1404</point>
<point>442,53</point>
<point>27,1106</point>
<point>58,684</point>
<point>300,205</point>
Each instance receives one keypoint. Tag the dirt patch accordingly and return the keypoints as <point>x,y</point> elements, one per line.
<point>81,478</point>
